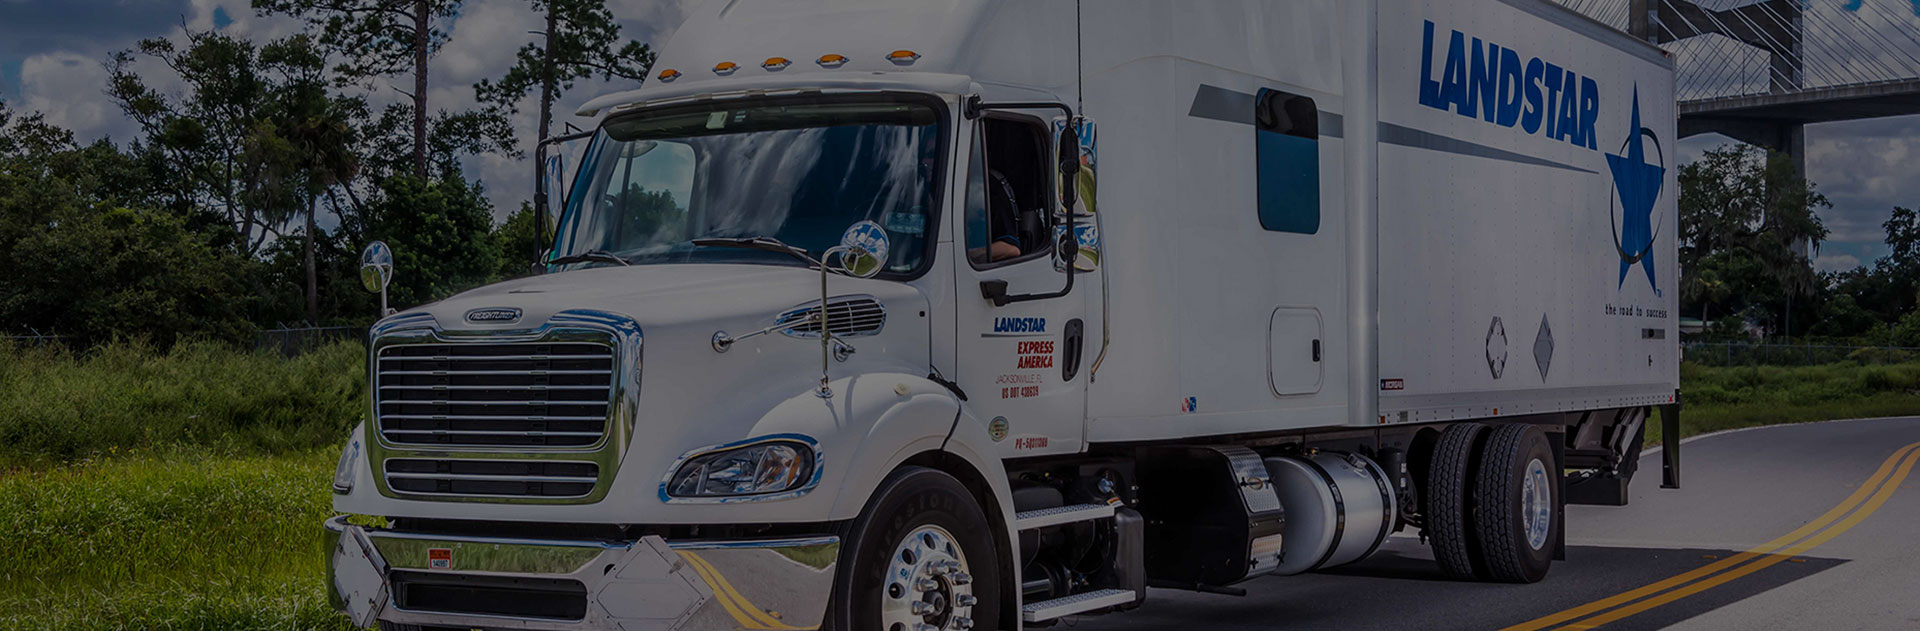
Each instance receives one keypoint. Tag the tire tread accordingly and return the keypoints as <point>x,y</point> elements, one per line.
<point>1495,523</point>
<point>1449,487</point>
<point>1498,524</point>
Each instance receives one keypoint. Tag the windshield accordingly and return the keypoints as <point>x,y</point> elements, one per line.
<point>799,172</point>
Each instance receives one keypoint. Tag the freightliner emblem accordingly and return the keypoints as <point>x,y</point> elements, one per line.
<point>494,315</point>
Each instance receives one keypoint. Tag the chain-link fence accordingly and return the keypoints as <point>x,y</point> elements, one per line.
<point>289,341</point>
<point>294,341</point>
<point>1767,354</point>
<point>34,339</point>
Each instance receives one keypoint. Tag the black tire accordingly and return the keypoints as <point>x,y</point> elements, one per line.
<point>1500,504</point>
<point>909,498</point>
<point>1448,496</point>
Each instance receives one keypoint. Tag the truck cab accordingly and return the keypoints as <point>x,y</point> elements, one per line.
<point>666,428</point>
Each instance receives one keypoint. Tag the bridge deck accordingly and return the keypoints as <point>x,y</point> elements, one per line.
<point>1814,105</point>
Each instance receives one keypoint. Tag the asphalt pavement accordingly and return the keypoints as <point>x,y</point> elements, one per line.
<point>1808,526</point>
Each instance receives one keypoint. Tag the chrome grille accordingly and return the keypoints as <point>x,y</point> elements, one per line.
<point>538,394</point>
<point>846,317</point>
<point>509,478</point>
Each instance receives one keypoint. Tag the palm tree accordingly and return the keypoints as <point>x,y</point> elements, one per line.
<point>313,136</point>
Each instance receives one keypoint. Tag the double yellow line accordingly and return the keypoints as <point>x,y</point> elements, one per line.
<point>1868,498</point>
<point>744,612</point>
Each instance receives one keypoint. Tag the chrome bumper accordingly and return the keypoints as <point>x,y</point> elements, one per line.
<point>774,584</point>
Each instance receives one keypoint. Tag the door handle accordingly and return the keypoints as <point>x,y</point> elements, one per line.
<point>1070,349</point>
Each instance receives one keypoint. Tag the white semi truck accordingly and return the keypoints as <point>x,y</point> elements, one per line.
<point>965,314</point>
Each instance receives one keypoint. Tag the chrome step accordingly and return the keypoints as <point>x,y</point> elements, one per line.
<point>1057,515</point>
<point>1077,603</point>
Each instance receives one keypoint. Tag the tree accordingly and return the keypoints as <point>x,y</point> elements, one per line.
<point>517,242</point>
<point>580,42</point>
<point>440,234</point>
<point>1744,212</point>
<point>380,38</point>
<point>206,133</point>
<point>314,135</point>
<point>451,137</point>
<point>82,259</point>
<point>1902,262</point>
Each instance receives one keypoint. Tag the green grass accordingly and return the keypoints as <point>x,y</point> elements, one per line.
<point>185,489</point>
<point>167,541</point>
<point>1722,398</point>
<point>58,406</point>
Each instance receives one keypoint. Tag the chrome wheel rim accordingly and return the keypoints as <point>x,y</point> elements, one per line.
<point>1536,504</point>
<point>929,586</point>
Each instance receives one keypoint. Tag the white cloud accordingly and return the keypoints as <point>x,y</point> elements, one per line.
<point>485,39</point>
<point>1835,262</point>
<point>69,88</point>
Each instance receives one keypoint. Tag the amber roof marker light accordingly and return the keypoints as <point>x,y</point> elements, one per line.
<point>903,56</point>
<point>773,64</point>
<point>831,61</point>
<point>725,68</point>
<point>668,75</point>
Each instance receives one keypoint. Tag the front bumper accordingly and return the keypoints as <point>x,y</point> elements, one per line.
<point>649,583</point>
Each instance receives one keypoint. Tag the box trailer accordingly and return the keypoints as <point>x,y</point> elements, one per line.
<point>957,314</point>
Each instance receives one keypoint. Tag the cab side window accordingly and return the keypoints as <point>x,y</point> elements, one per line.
<point>1287,139</point>
<point>1007,191</point>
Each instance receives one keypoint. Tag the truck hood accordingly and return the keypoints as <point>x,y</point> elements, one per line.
<point>658,294</point>
<point>679,308</point>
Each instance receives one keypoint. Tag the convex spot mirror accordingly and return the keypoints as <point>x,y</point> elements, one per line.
<point>1069,145</point>
<point>862,251</point>
<point>376,267</point>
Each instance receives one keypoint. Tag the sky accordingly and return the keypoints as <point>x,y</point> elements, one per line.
<point>52,56</point>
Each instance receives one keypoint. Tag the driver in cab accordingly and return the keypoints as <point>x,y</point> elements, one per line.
<point>1002,221</point>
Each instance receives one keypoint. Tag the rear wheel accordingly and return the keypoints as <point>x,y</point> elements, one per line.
<point>1449,491</point>
<point>921,553</point>
<point>1515,516</point>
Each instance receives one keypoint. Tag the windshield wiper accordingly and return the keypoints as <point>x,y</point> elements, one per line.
<point>766,244</point>
<point>591,256</point>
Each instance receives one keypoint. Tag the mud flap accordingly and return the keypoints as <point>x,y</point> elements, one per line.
<point>1670,440</point>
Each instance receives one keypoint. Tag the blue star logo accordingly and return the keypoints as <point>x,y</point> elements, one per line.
<point>1637,185</point>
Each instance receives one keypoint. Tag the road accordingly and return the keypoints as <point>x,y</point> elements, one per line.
<point>1831,554</point>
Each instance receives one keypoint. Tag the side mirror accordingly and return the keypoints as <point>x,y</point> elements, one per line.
<point>376,267</point>
<point>1069,145</point>
<point>376,271</point>
<point>863,250</point>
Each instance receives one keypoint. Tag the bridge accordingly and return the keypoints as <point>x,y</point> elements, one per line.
<point>1760,71</point>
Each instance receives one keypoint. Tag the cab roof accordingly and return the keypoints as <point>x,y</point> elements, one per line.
<point>729,46</point>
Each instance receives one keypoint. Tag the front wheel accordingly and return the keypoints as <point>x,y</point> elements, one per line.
<point>919,558</point>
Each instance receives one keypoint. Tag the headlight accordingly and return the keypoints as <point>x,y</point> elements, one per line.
<point>343,472</point>
<point>761,469</point>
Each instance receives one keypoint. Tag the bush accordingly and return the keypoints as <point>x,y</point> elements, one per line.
<point>92,271</point>
<point>60,406</point>
<point>1880,356</point>
<point>1743,396</point>
<point>441,235</point>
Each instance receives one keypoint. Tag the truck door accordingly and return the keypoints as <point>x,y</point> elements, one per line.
<point>1024,364</point>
